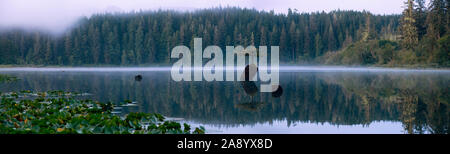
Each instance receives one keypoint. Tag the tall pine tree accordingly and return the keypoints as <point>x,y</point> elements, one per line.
<point>408,27</point>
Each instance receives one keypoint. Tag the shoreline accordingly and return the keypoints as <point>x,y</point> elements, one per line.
<point>282,68</point>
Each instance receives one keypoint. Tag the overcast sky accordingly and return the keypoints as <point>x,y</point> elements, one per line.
<point>56,15</point>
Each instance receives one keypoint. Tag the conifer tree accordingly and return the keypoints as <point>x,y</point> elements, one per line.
<point>408,28</point>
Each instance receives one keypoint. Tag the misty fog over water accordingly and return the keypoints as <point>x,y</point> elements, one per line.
<point>281,69</point>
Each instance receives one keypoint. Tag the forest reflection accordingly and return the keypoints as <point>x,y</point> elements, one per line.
<point>419,100</point>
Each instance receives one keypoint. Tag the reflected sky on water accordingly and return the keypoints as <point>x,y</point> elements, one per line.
<point>314,100</point>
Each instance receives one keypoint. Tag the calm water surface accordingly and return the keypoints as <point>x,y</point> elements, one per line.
<point>314,100</point>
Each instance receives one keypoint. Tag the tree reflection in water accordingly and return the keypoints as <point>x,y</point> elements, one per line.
<point>419,100</point>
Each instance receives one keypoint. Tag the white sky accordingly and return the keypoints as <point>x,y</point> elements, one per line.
<point>56,15</point>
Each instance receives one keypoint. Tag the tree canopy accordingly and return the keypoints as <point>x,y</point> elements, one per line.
<point>147,37</point>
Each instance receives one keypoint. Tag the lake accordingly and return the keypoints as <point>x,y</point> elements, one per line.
<point>314,99</point>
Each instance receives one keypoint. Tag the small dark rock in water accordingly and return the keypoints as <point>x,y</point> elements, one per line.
<point>278,92</point>
<point>250,87</point>
<point>138,77</point>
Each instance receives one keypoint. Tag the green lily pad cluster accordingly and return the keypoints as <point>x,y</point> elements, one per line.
<point>48,94</point>
<point>7,78</point>
<point>57,112</point>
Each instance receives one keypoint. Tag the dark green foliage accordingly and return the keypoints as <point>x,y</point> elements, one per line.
<point>387,51</point>
<point>420,17</point>
<point>364,53</point>
<point>432,49</point>
<point>148,37</point>
<point>443,51</point>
